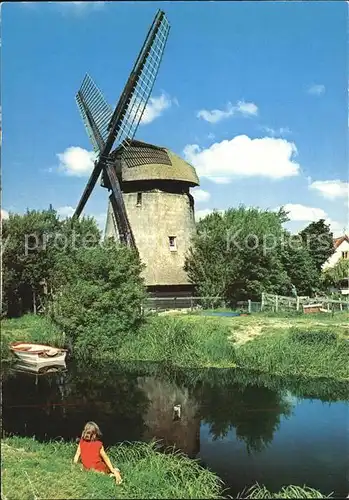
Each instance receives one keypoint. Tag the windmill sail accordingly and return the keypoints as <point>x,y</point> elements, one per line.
<point>92,105</point>
<point>141,81</point>
<point>107,130</point>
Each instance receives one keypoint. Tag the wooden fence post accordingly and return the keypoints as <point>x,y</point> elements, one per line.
<point>276,303</point>
<point>297,304</point>
<point>263,301</point>
<point>249,305</point>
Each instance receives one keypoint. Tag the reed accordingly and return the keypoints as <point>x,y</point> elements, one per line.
<point>173,340</point>
<point>291,491</point>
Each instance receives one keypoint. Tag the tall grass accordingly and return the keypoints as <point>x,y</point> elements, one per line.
<point>291,491</point>
<point>175,341</point>
<point>29,328</point>
<point>33,470</point>
<point>295,352</point>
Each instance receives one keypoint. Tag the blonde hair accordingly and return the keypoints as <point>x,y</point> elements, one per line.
<point>91,432</point>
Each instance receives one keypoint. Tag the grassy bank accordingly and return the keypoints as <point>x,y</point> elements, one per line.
<point>44,470</point>
<point>298,348</point>
<point>175,341</point>
<point>298,352</point>
<point>292,346</point>
<point>32,470</point>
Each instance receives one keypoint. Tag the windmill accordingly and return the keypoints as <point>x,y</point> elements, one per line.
<point>108,129</point>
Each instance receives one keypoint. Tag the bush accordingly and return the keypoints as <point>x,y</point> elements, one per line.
<point>102,301</point>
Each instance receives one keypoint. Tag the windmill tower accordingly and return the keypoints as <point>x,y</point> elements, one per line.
<point>150,207</point>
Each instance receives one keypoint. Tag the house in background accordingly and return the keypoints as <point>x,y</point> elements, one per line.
<point>341,246</point>
<point>341,251</point>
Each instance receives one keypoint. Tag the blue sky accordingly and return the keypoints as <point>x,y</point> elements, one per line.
<point>255,95</point>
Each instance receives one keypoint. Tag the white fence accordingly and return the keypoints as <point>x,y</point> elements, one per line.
<point>277,303</point>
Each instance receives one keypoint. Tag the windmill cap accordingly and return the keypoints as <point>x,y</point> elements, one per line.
<point>142,161</point>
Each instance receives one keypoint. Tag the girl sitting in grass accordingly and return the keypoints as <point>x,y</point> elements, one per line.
<point>92,454</point>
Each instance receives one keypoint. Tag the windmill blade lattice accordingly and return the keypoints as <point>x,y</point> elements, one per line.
<point>91,100</point>
<point>146,76</point>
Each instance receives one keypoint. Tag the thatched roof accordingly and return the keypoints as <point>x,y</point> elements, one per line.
<point>142,161</point>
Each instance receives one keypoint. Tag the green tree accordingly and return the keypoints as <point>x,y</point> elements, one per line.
<point>299,266</point>
<point>102,297</point>
<point>28,257</point>
<point>318,239</point>
<point>333,275</point>
<point>236,255</point>
<point>38,250</point>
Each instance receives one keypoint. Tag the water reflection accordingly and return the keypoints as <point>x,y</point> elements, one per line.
<point>208,414</point>
<point>134,406</point>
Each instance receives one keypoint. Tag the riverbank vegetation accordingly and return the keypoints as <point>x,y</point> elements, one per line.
<point>90,296</point>
<point>299,346</point>
<point>291,491</point>
<point>45,470</point>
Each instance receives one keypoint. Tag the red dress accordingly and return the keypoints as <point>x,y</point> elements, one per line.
<point>90,455</point>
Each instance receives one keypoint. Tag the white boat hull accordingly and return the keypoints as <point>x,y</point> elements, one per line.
<point>37,359</point>
<point>38,354</point>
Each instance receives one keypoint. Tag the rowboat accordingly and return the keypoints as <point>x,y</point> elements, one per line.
<point>38,353</point>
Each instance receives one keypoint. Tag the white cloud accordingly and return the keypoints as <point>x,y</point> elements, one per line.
<point>277,132</point>
<point>316,89</point>
<point>68,211</point>
<point>101,220</point>
<point>246,108</point>
<point>200,214</point>
<point>244,157</point>
<point>200,195</point>
<point>76,161</point>
<point>216,115</point>
<point>4,214</point>
<point>156,106</point>
<point>211,136</point>
<point>298,212</point>
<point>331,189</point>
<point>337,228</point>
<point>65,212</point>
